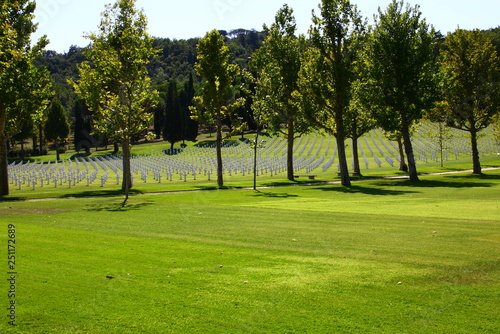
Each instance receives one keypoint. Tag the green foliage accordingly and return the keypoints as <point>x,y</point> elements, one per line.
<point>57,125</point>
<point>471,75</point>
<point>174,59</point>
<point>173,127</point>
<point>329,72</point>
<point>470,87</point>
<point>24,88</point>
<point>277,64</point>
<point>63,67</point>
<point>114,82</point>
<point>496,128</point>
<point>494,35</point>
<point>214,104</point>
<point>82,126</point>
<point>402,70</point>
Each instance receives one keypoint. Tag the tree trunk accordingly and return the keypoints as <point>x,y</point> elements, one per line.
<point>476,164</point>
<point>441,142</point>
<point>402,159</point>
<point>355,156</point>
<point>340,136</point>
<point>291,138</point>
<point>4,176</point>
<point>23,155</point>
<point>412,166</point>
<point>127,174</point>
<point>35,145</point>
<point>220,177</point>
<point>343,168</point>
<point>255,160</point>
<point>40,130</point>
<point>57,150</point>
<point>115,148</point>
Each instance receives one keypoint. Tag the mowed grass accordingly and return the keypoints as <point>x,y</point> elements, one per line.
<point>387,256</point>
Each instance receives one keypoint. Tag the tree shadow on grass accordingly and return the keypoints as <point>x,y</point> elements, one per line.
<point>6,199</point>
<point>268,194</point>
<point>454,182</point>
<point>101,193</point>
<point>355,189</point>
<point>289,183</point>
<point>117,207</point>
<point>476,177</point>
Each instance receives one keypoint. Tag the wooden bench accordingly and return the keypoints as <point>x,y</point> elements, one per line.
<point>311,177</point>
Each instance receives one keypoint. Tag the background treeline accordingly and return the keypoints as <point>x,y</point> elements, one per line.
<point>173,75</point>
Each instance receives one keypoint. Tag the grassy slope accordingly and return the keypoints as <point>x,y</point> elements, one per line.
<point>317,259</point>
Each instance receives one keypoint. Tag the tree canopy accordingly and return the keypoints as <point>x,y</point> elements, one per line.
<point>402,69</point>
<point>215,102</point>
<point>114,82</point>
<point>57,125</point>
<point>329,72</point>
<point>277,64</point>
<point>470,85</point>
<point>24,88</point>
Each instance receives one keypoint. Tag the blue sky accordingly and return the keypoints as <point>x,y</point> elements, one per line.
<point>65,21</point>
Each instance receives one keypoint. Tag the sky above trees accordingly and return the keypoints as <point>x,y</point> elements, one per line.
<point>66,21</point>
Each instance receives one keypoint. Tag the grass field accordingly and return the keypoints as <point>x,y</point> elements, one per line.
<point>383,256</point>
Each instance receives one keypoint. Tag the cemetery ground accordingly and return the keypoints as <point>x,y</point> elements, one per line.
<point>382,256</point>
<point>194,168</point>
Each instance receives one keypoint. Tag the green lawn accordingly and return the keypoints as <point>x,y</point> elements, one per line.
<point>384,256</point>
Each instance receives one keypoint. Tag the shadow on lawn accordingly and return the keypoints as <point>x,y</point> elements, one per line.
<point>355,189</point>
<point>259,193</point>
<point>101,193</point>
<point>453,182</point>
<point>117,207</point>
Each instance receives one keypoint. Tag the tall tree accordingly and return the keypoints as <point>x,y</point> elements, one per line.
<point>159,117</point>
<point>471,89</point>
<point>186,97</point>
<point>172,130</point>
<point>215,102</point>
<point>57,125</point>
<point>360,120</point>
<point>115,82</point>
<point>328,75</point>
<point>26,131</point>
<point>496,129</point>
<point>24,88</point>
<point>82,126</point>
<point>402,67</point>
<point>277,64</point>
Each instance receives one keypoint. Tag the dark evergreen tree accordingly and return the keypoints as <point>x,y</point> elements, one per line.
<point>82,127</point>
<point>172,130</point>
<point>159,117</point>
<point>189,126</point>
<point>57,125</point>
<point>26,131</point>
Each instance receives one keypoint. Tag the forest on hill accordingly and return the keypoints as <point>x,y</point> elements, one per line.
<point>171,69</point>
<point>173,66</point>
<point>174,60</point>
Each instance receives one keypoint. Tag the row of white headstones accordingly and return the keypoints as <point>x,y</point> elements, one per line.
<point>310,153</point>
